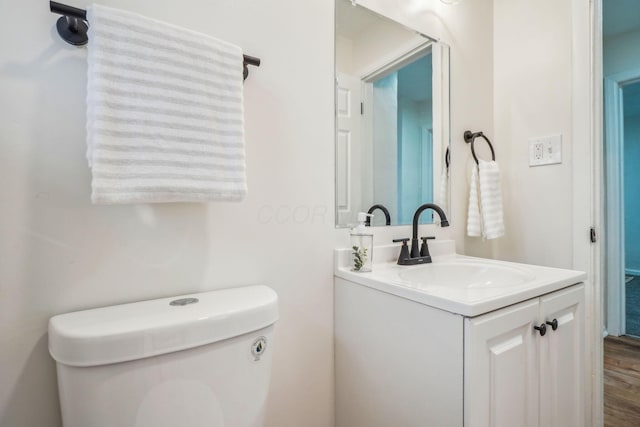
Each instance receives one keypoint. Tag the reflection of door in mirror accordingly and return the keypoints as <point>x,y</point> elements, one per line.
<point>401,120</point>
<point>348,155</point>
<point>391,118</point>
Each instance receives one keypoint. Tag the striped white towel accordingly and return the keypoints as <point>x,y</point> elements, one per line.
<point>164,112</point>
<point>442,196</point>
<point>491,200</point>
<point>474,227</point>
<point>485,216</point>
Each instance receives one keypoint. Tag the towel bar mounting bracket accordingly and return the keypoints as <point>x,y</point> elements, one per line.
<point>73,30</point>
<point>72,25</point>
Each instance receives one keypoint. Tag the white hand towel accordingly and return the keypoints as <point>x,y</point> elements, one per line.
<point>491,200</point>
<point>442,198</point>
<point>474,227</point>
<point>164,112</point>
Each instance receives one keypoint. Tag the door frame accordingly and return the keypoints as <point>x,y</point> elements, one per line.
<point>586,150</point>
<point>614,197</point>
<point>588,186</point>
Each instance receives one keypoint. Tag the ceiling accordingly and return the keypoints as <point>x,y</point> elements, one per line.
<point>414,80</point>
<point>620,16</point>
<point>352,20</point>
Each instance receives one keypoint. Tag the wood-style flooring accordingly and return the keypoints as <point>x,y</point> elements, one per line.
<point>621,382</point>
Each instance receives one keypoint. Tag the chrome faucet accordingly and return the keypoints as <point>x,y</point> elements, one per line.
<point>419,255</point>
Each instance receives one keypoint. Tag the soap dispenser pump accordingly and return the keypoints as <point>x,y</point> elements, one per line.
<point>362,245</point>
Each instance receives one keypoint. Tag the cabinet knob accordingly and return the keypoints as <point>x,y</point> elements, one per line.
<point>542,329</point>
<point>553,324</point>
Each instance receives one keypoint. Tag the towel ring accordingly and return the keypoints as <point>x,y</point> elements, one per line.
<point>469,137</point>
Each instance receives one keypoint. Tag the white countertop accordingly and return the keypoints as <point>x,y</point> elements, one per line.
<point>472,300</point>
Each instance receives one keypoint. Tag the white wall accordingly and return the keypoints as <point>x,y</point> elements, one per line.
<point>59,253</point>
<point>532,98</point>
<point>467,29</point>
<point>344,54</point>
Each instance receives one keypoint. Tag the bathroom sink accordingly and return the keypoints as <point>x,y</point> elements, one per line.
<point>465,274</point>
<point>456,283</point>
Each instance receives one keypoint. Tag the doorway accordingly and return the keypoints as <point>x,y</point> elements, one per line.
<point>631,192</point>
<point>622,157</point>
<point>621,69</point>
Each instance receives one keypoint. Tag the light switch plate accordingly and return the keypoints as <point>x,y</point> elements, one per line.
<point>545,150</point>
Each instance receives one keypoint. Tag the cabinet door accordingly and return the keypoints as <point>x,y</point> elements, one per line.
<point>562,352</point>
<point>501,368</point>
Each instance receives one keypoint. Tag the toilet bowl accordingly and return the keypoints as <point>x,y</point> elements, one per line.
<point>189,361</point>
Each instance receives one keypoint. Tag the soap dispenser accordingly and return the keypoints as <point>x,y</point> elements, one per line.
<point>362,245</point>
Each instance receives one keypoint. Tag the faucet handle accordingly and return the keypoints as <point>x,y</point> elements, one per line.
<point>404,251</point>
<point>424,250</point>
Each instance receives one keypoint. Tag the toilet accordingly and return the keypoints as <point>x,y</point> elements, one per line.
<point>190,361</point>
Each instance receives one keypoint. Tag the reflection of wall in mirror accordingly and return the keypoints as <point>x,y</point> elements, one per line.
<point>357,55</point>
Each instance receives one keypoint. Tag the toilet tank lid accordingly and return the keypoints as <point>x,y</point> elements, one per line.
<point>149,328</point>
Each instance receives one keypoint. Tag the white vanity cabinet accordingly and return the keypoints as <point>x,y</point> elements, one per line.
<point>398,363</point>
<point>514,376</point>
<point>402,363</point>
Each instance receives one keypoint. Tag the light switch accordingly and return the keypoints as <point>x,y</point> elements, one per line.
<point>545,150</point>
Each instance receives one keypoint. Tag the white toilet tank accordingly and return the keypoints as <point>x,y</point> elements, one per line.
<point>200,360</point>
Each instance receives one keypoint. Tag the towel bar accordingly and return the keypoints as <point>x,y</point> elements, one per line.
<point>469,138</point>
<point>72,27</point>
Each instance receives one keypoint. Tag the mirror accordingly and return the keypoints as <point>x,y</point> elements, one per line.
<point>392,118</point>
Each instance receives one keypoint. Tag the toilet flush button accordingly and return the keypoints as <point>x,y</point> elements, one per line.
<point>184,301</point>
<point>258,347</point>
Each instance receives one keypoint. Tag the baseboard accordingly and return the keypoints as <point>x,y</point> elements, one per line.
<point>631,272</point>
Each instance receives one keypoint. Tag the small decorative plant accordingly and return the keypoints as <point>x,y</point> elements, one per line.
<point>359,257</point>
